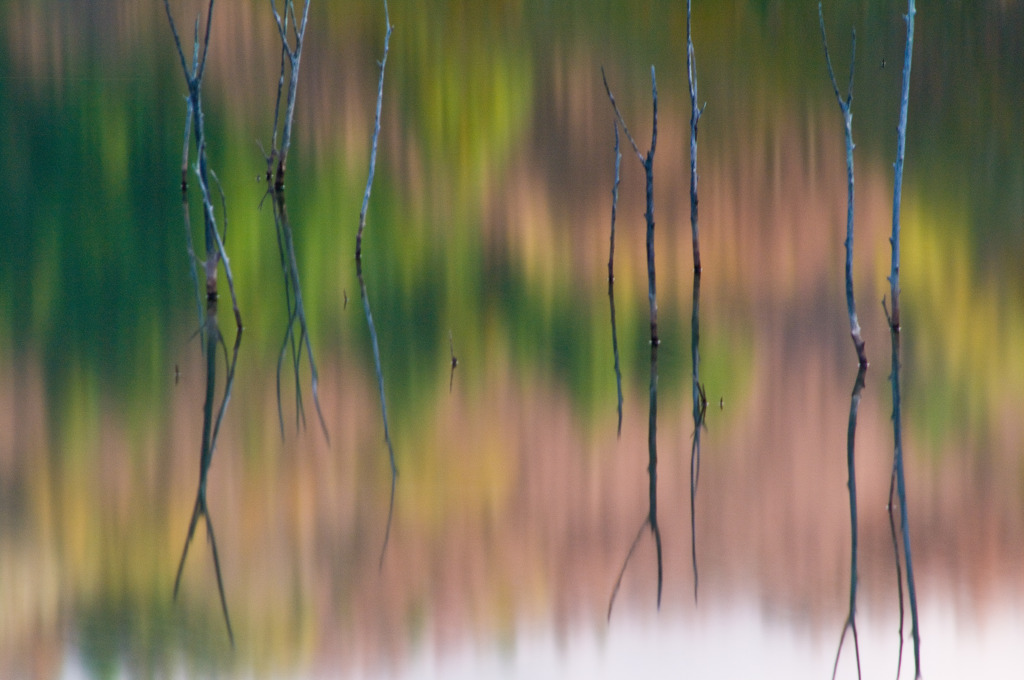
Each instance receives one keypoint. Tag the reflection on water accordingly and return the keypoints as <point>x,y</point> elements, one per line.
<point>489,237</point>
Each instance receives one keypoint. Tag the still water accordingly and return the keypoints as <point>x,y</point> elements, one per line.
<point>487,239</point>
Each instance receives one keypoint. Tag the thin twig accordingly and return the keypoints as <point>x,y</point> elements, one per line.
<point>695,114</point>
<point>611,278</point>
<point>211,429</point>
<point>648,164</point>
<point>383,403</point>
<point>618,114</point>
<point>294,58</point>
<point>625,563</point>
<point>699,411</point>
<point>851,432</point>
<point>845,109</point>
<point>376,135</point>
<point>296,313</point>
<point>652,464</point>
<point>362,284</point>
<point>699,398</point>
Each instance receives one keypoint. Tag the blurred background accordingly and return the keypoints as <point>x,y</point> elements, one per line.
<point>516,502</point>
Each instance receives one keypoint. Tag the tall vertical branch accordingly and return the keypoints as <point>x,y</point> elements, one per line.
<point>858,343</point>
<point>215,255</point>
<point>362,284</point>
<point>894,327</point>
<point>647,161</point>
<point>699,399</point>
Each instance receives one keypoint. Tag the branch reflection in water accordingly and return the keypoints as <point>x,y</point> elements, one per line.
<point>290,61</point>
<point>700,407</point>
<point>211,428</point>
<point>209,331</point>
<point>851,431</point>
<point>652,429</point>
<point>383,402</point>
<point>296,314</point>
<point>651,520</point>
<point>362,286</point>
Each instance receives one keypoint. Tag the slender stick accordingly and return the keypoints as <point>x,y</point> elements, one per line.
<point>700,403</point>
<point>695,113</point>
<point>699,399</point>
<point>649,172</point>
<point>376,134</point>
<point>294,58</point>
<point>652,489</point>
<point>648,164</point>
<point>851,432</point>
<point>901,144</point>
<point>194,79</point>
<point>296,313</point>
<point>858,343</point>
<point>211,429</point>
<point>652,464</point>
<point>383,403</point>
<point>611,278</point>
<point>894,326</point>
<point>899,568</point>
<point>362,284</point>
<point>845,110</point>
<point>190,249</point>
<point>625,563</point>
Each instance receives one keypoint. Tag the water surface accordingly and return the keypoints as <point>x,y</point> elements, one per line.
<point>516,501</point>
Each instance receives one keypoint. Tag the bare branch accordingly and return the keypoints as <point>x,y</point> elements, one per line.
<point>376,135</point>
